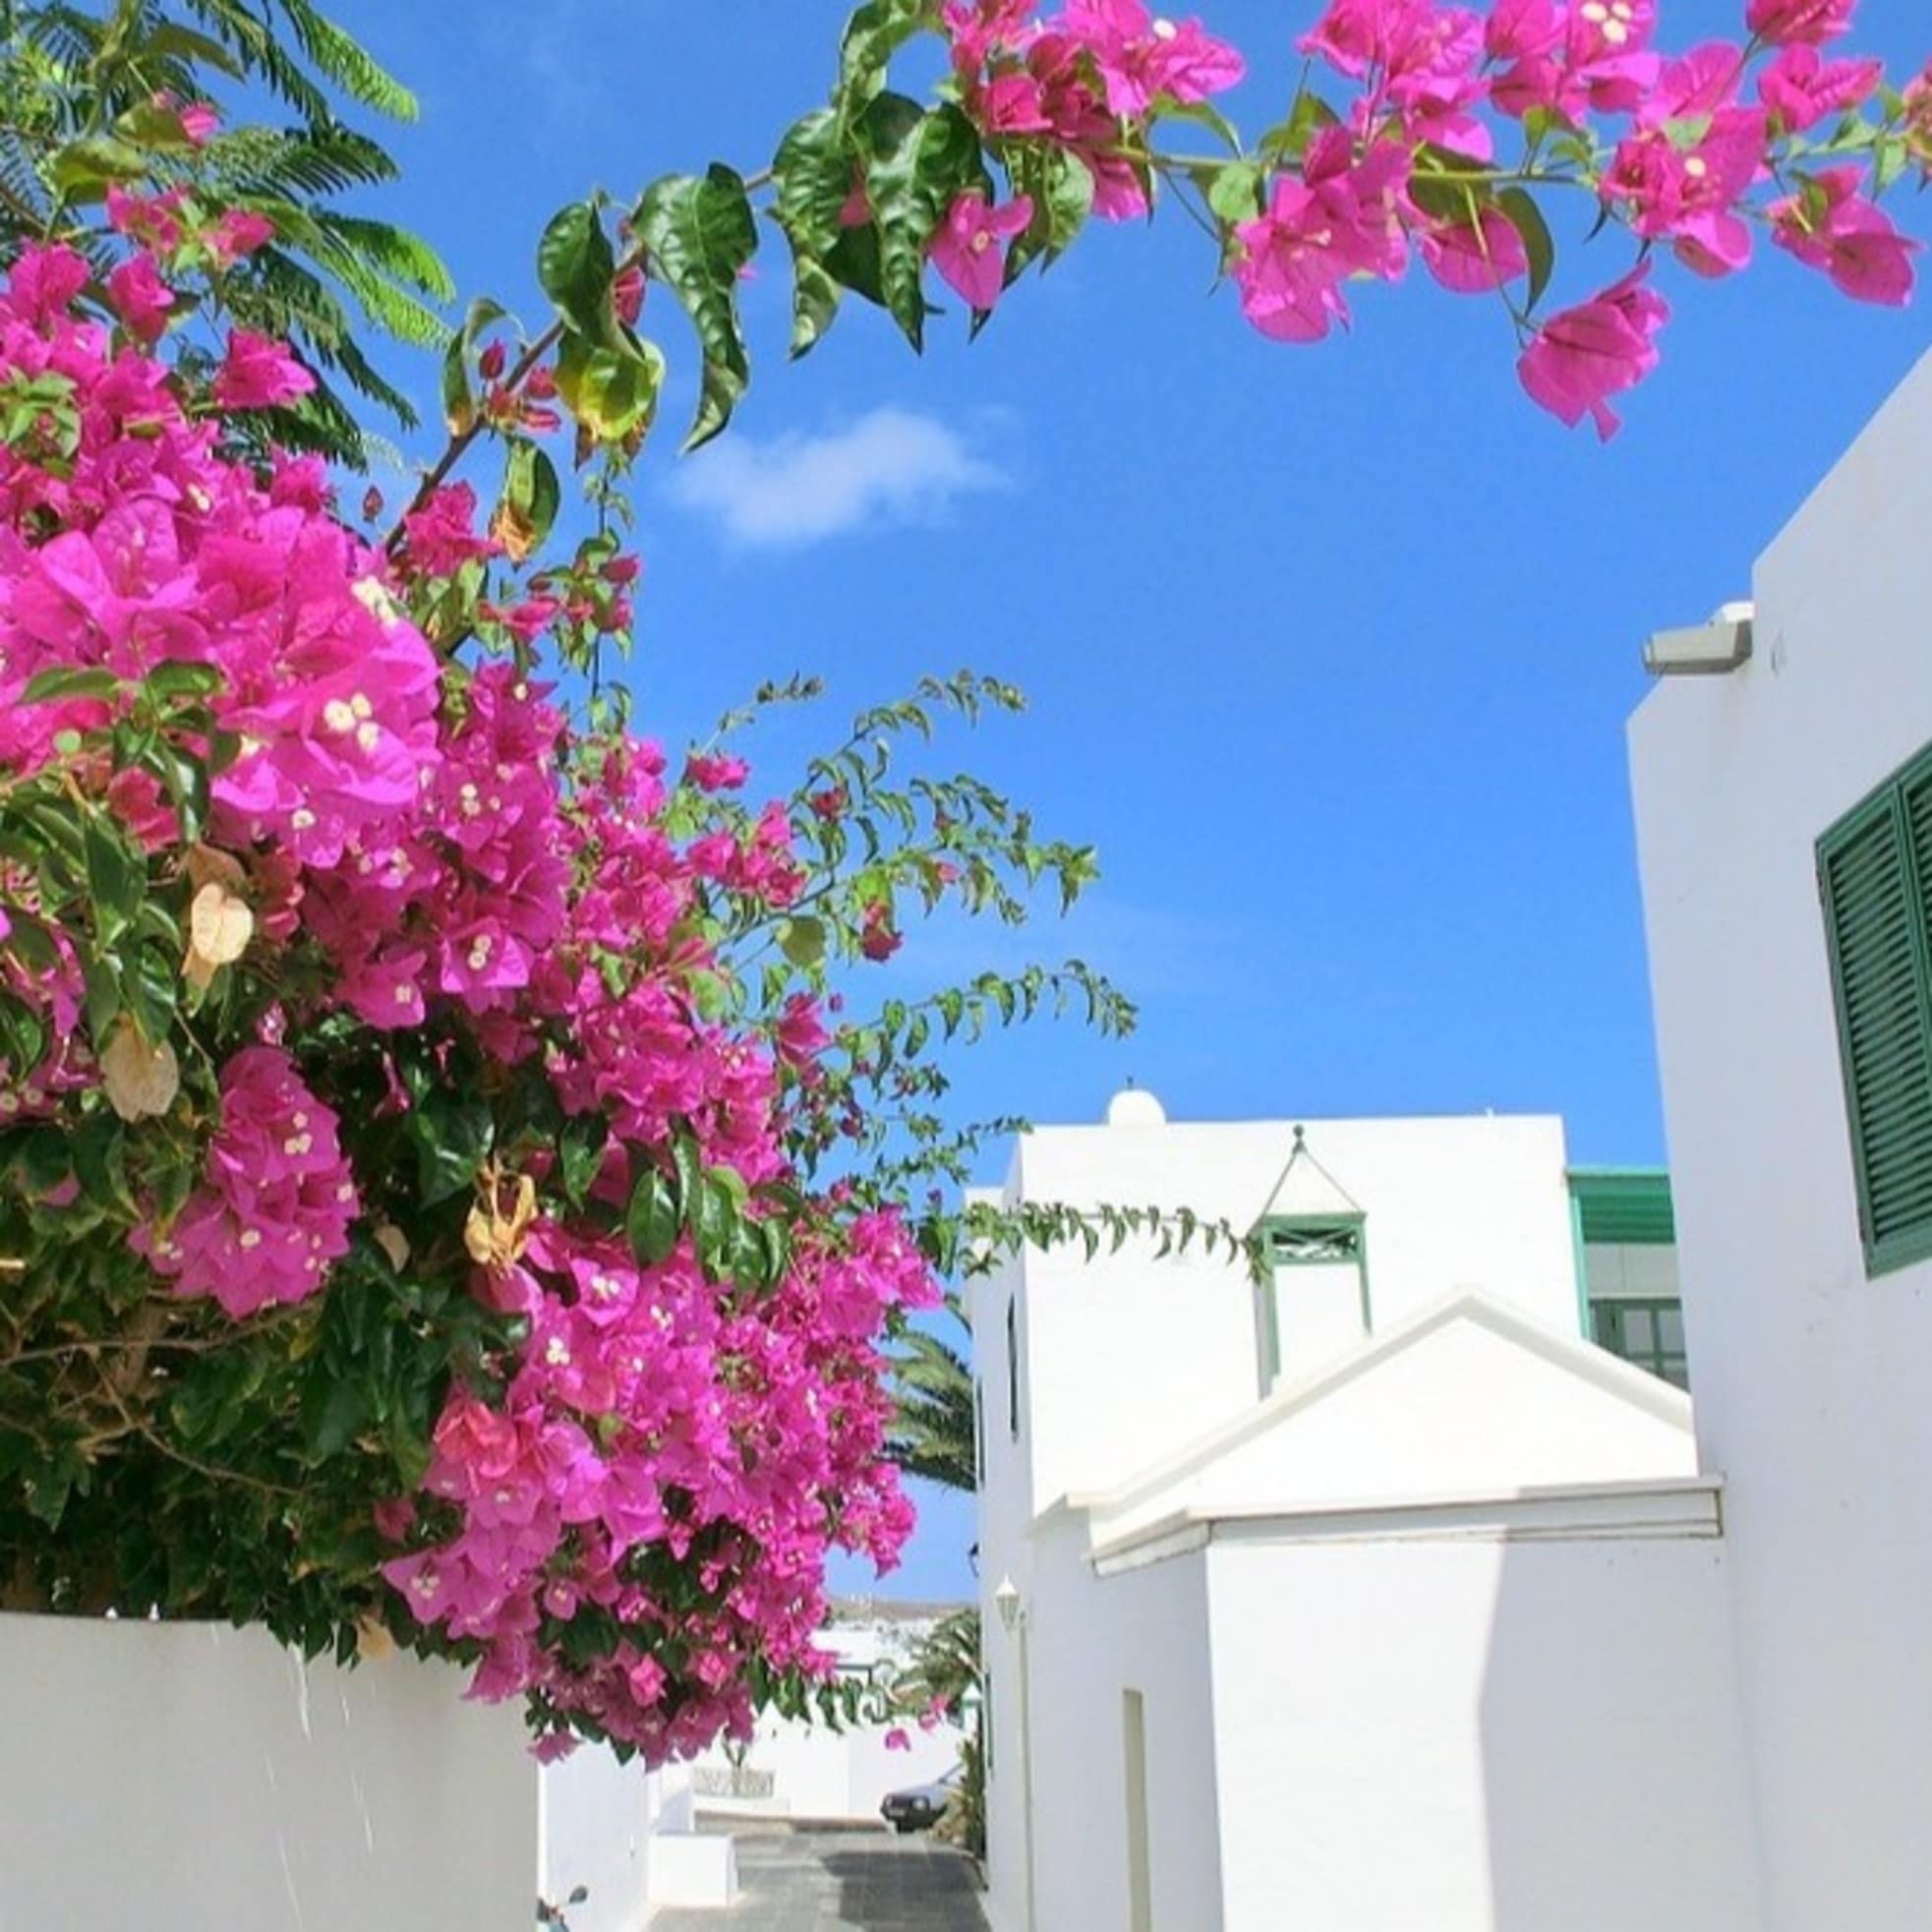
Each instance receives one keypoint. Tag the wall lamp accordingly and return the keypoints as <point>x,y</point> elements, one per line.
<point>1006,1600</point>
<point>1700,650</point>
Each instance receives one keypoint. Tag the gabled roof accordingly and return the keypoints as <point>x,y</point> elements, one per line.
<point>1467,1395</point>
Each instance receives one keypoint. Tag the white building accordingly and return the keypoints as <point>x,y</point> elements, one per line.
<point>1380,1600</point>
<point>1377,1598</point>
<point>1785,825</point>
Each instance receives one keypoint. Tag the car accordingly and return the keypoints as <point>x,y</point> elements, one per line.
<point>917,1808</point>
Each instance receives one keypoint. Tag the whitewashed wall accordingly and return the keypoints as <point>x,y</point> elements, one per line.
<point>184,1778</point>
<point>1479,1736</point>
<point>1452,1204</point>
<point>1811,1380</point>
<point>1087,1642</point>
<point>598,1817</point>
<point>816,1773</point>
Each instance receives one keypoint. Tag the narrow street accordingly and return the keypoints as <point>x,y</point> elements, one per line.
<point>832,1881</point>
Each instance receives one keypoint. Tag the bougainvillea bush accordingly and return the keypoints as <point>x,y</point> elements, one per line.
<point>448,1196</point>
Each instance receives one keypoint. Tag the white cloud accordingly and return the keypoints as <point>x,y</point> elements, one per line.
<point>890,467</point>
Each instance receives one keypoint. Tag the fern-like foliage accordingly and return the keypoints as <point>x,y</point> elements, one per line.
<point>78,87</point>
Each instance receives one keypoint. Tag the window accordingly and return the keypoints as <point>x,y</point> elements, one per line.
<point>1875,880</point>
<point>1649,1334</point>
<point>1321,1263</point>
<point>1012,1368</point>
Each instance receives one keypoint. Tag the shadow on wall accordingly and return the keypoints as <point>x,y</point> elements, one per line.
<point>1613,1765</point>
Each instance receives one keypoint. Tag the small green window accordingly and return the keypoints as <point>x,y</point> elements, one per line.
<point>1649,1334</point>
<point>1304,1240</point>
<point>1875,880</point>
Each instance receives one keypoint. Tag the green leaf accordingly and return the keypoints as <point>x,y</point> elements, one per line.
<point>612,392</point>
<point>802,942</point>
<point>576,268</point>
<point>458,404</point>
<point>716,1221</point>
<point>700,233</point>
<point>180,679</point>
<point>688,1164</point>
<point>117,878</point>
<point>70,681</point>
<point>580,1153</point>
<point>334,1409</point>
<point>1234,192</point>
<point>1526,217</point>
<point>84,170</point>
<point>653,1220</point>
<point>912,177</point>
<point>532,496</point>
<point>453,1132</point>
<point>873,34</point>
<point>813,173</point>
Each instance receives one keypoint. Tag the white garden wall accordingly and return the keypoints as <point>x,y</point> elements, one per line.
<point>1479,1735</point>
<point>807,1770</point>
<point>598,1818</point>
<point>1812,1381</point>
<point>190,1778</point>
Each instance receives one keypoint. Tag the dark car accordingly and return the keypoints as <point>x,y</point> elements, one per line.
<point>917,1808</point>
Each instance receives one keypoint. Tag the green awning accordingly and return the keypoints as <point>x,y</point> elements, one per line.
<point>1617,1206</point>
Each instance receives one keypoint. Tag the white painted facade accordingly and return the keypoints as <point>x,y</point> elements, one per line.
<point>1424,1636</point>
<point>183,1777</point>
<point>1811,1377</point>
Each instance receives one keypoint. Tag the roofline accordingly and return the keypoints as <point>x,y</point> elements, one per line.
<point>1609,1373</point>
<point>1672,1507</point>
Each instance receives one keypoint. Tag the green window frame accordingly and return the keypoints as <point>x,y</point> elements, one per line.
<point>1875,888</point>
<point>1306,1241</point>
<point>1013,1367</point>
<point>1647,1333</point>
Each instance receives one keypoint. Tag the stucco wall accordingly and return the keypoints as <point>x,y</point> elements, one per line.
<point>598,1816</point>
<point>1459,1406</point>
<point>1088,1640</point>
<point>1452,1204</point>
<point>1811,1380</point>
<point>1480,1736</point>
<point>178,1778</point>
<point>819,1773</point>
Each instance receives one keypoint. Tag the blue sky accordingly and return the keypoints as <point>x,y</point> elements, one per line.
<point>1329,649</point>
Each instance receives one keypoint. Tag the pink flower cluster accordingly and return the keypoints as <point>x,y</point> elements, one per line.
<point>428,850</point>
<point>1070,79</point>
<point>278,1201</point>
<point>1435,82</point>
<point>646,1414</point>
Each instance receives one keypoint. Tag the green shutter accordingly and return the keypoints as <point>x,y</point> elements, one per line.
<point>1875,873</point>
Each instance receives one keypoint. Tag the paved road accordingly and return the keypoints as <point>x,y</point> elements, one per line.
<point>828,1881</point>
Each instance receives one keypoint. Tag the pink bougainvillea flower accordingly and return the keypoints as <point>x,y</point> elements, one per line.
<point>47,280</point>
<point>1586,355</point>
<point>276,1202</point>
<point>1476,258</point>
<point>1801,87</point>
<point>1784,22</point>
<point>1341,219</point>
<point>257,374</point>
<point>200,120</point>
<point>967,250</point>
<point>1140,57</point>
<point>711,770</point>
<point>140,298</point>
<point>898,1740</point>
<point>1686,190</point>
<point>238,233</point>
<point>1829,224</point>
